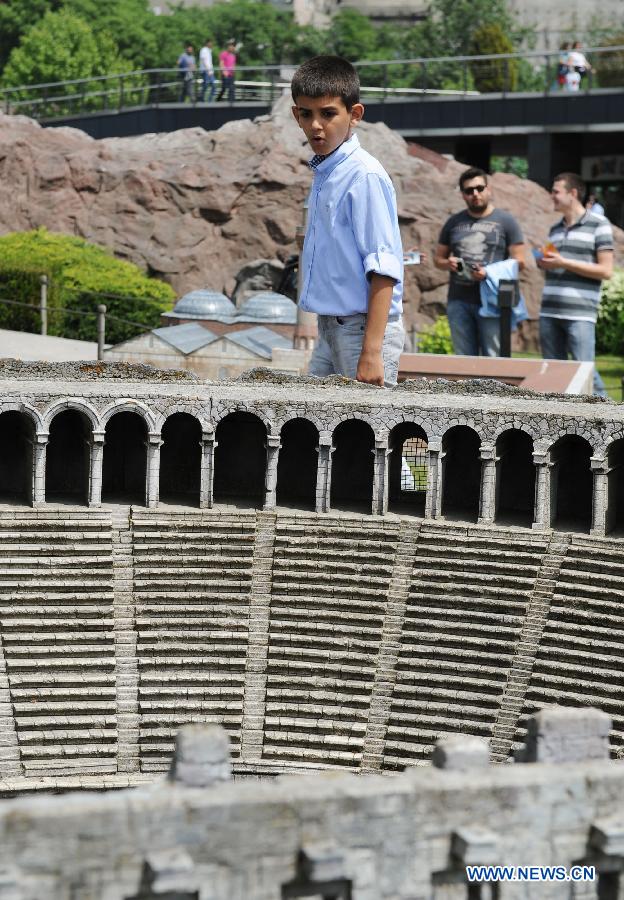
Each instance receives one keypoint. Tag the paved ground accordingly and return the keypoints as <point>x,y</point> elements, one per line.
<point>23,345</point>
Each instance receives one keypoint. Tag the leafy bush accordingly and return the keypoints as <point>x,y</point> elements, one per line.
<point>493,75</point>
<point>80,277</point>
<point>436,338</point>
<point>610,325</point>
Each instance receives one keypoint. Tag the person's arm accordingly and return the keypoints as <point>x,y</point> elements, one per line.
<point>601,270</point>
<point>370,367</point>
<point>442,258</point>
<point>516,251</point>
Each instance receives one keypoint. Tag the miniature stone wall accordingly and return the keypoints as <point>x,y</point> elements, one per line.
<point>195,836</point>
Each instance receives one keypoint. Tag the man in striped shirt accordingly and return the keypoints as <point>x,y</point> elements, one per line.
<point>582,257</point>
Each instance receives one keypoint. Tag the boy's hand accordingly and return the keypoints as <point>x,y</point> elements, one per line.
<point>370,368</point>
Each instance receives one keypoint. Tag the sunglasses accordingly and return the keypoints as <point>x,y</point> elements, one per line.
<point>478,188</point>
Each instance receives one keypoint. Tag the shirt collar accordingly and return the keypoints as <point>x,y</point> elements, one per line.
<point>581,221</point>
<point>325,164</point>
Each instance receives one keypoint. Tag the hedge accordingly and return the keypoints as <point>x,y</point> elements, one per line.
<point>80,276</point>
<point>610,325</point>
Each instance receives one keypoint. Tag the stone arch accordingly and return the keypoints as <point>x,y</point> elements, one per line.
<point>461,472</point>
<point>352,469</point>
<point>68,456</point>
<point>189,409</point>
<point>132,406</point>
<point>408,468</point>
<point>17,434</point>
<point>240,459</point>
<point>571,483</point>
<point>615,486</point>
<point>298,464</point>
<point>225,411</point>
<point>124,469</point>
<point>29,412</point>
<point>80,406</point>
<point>515,477</point>
<point>180,459</point>
<point>514,424</point>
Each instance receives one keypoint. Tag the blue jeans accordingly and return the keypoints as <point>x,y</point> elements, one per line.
<point>472,334</point>
<point>227,84</point>
<point>339,347</point>
<point>559,337</point>
<point>208,80</point>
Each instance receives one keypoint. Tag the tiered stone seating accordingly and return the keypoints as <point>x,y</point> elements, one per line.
<point>464,613</point>
<point>580,660</point>
<point>56,593</point>
<point>191,580</point>
<point>330,582</point>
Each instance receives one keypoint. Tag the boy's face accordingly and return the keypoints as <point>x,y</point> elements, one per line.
<point>326,121</point>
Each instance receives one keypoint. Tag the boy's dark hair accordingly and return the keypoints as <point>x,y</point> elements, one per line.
<point>469,174</point>
<point>327,76</point>
<point>572,181</point>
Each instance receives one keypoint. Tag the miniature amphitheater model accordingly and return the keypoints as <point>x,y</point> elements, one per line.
<point>337,574</point>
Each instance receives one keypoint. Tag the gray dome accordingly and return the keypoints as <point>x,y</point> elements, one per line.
<point>203,305</point>
<point>268,306</point>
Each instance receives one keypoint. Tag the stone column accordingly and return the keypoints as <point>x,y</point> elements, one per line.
<point>323,472</point>
<point>39,446</point>
<point>270,484</point>
<point>541,512</point>
<point>487,495</point>
<point>600,496</point>
<point>433,499</point>
<point>380,477</point>
<point>96,460</point>
<point>206,477</point>
<point>152,488</point>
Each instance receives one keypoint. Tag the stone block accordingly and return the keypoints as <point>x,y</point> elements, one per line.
<point>475,846</point>
<point>202,756</point>
<point>168,871</point>
<point>607,836</point>
<point>460,753</point>
<point>321,861</point>
<point>561,734</point>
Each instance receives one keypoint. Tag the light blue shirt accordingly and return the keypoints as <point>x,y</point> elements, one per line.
<point>352,232</point>
<point>488,288</point>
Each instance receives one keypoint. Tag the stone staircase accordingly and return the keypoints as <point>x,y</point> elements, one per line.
<point>191,589</point>
<point>580,660</point>
<point>56,595</point>
<point>464,613</point>
<point>330,583</point>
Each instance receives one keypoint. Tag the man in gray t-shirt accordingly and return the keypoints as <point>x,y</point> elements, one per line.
<point>469,241</point>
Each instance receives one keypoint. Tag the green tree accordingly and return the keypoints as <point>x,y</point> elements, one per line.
<point>16,18</point>
<point>130,24</point>
<point>493,75</point>
<point>436,338</point>
<point>610,65</point>
<point>60,47</point>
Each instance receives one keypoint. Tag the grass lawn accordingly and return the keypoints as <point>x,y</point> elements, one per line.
<point>611,369</point>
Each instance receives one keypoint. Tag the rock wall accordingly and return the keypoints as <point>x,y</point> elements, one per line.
<point>193,206</point>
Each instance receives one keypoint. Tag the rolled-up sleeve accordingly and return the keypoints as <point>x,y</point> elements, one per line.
<point>376,226</point>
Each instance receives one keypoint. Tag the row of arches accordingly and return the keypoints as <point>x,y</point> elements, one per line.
<point>243,466</point>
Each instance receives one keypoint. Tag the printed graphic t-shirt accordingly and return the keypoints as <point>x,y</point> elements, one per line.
<point>480,241</point>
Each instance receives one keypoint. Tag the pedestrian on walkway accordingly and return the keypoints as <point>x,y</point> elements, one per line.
<point>206,70</point>
<point>186,71</point>
<point>227,67</point>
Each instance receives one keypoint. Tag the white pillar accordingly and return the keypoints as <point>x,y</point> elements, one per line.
<point>152,487</point>
<point>270,483</point>
<point>600,495</point>
<point>433,499</point>
<point>487,494</point>
<point>39,446</point>
<point>542,516</point>
<point>380,477</point>
<point>323,473</point>
<point>96,460</point>
<point>206,485</point>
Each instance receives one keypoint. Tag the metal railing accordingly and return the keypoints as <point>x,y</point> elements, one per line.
<point>412,78</point>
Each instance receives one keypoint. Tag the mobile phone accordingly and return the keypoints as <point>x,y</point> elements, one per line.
<point>411,258</point>
<point>461,267</point>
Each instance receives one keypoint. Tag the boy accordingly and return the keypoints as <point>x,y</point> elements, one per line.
<point>352,261</point>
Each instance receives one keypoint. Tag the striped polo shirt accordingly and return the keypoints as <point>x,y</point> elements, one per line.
<point>570,296</point>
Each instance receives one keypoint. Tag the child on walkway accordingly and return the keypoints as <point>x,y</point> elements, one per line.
<point>352,260</point>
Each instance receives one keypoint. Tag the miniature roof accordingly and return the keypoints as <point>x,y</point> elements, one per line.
<point>267,306</point>
<point>191,337</point>
<point>203,304</point>
<point>185,338</point>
